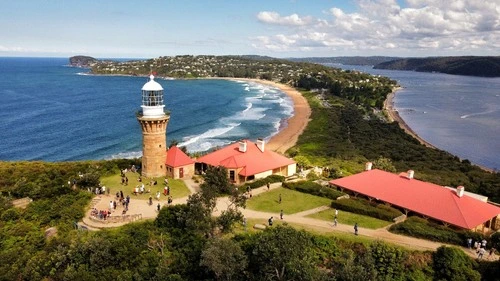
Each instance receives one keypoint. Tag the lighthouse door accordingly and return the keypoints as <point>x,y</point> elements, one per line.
<point>181,173</point>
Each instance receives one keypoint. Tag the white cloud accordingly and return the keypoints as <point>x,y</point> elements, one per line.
<point>422,27</point>
<point>275,18</point>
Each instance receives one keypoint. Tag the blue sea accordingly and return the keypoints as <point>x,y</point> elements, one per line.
<point>459,114</point>
<point>53,112</point>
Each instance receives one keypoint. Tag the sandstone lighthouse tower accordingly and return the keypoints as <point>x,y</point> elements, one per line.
<point>154,123</point>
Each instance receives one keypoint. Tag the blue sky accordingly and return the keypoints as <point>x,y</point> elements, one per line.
<point>278,28</point>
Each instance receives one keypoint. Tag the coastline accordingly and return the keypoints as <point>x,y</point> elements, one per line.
<point>393,115</point>
<point>296,124</point>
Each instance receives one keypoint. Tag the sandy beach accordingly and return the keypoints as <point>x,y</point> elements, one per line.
<point>394,116</point>
<point>288,136</point>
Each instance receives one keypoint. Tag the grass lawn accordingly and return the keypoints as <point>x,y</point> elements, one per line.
<point>177,187</point>
<point>292,201</point>
<point>350,218</point>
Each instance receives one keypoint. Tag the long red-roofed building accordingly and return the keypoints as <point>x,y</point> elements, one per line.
<point>178,164</point>
<point>246,160</point>
<point>450,206</point>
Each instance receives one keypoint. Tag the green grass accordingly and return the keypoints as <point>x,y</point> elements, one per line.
<point>177,187</point>
<point>292,201</point>
<point>350,219</point>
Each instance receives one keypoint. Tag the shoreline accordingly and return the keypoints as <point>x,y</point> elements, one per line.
<point>296,124</point>
<point>393,115</point>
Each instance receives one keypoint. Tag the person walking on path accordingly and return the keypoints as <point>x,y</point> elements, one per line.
<point>270,221</point>
<point>150,200</point>
<point>469,242</point>
<point>279,199</point>
<point>356,229</point>
<point>335,222</point>
<point>158,207</point>
<point>281,214</point>
<point>336,213</point>
<point>268,186</point>
<point>481,253</point>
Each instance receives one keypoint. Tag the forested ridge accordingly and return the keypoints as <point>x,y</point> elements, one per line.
<point>471,66</point>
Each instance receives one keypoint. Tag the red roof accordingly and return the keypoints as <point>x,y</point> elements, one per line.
<point>425,198</point>
<point>253,161</point>
<point>177,158</point>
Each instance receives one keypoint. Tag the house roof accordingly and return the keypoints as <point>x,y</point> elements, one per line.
<point>425,198</point>
<point>252,162</point>
<point>177,158</point>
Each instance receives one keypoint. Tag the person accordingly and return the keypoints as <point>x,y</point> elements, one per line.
<point>355,228</point>
<point>165,189</point>
<point>169,201</point>
<point>469,242</point>
<point>268,186</point>
<point>335,222</point>
<point>281,214</point>
<point>110,206</point>
<point>136,190</point>
<point>279,199</point>
<point>481,253</point>
<point>126,180</point>
<point>141,189</point>
<point>114,204</point>
<point>158,195</point>
<point>150,200</point>
<point>158,207</point>
<point>270,221</point>
<point>336,212</point>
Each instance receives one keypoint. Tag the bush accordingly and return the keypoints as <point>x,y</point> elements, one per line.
<point>314,189</point>
<point>421,228</point>
<point>363,207</point>
<point>261,182</point>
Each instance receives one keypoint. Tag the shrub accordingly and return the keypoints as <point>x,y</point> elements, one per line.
<point>261,182</point>
<point>363,207</point>
<point>421,228</point>
<point>314,189</point>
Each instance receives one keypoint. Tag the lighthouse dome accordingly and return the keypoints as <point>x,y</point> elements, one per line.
<point>152,85</point>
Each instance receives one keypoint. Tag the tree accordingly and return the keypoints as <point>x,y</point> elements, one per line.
<point>224,258</point>
<point>453,264</point>
<point>352,267</point>
<point>388,261</point>
<point>385,164</point>
<point>283,253</point>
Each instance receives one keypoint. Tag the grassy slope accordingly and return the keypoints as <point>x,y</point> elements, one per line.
<point>292,201</point>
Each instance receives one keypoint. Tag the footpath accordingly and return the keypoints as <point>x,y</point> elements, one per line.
<point>142,209</point>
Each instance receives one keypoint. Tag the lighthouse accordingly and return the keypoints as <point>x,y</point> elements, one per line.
<point>153,121</point>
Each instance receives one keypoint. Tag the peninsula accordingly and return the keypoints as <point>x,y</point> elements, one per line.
<point>470,66</point>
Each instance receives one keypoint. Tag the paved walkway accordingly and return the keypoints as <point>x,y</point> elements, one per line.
<point>138,206</point>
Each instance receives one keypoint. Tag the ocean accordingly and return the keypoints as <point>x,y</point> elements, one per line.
<point>53,112</point>
<point>459,114</point>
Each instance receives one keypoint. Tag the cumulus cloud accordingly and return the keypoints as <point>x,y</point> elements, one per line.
<point>275,18</point>
<point>418,28</point>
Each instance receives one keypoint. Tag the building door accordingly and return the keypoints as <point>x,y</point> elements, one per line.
<point>231,176</point>
<point>181,173</point>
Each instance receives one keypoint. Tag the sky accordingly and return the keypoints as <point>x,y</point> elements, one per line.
<point>277,28</point>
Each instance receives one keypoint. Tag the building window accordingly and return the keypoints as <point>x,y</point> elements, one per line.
<point>231,175</point>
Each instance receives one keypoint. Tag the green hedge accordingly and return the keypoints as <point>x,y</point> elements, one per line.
<point>421,228</point>
<point>314,189</point>
<point>261,182</point>
<point>364,207</point>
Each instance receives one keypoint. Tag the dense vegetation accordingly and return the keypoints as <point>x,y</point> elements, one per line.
<point>364,207</point>
<point>314,189</point>
<point>425,229</point>
<point>473,66</point>
<point>373,60</point>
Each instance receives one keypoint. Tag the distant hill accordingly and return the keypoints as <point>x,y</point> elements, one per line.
<point>374,60</point>
<point>471,66</point>
<point>82,61</point>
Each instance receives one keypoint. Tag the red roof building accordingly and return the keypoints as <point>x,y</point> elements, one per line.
<point>447,205</point>
<point>178,164</point>
<point>246,160</point>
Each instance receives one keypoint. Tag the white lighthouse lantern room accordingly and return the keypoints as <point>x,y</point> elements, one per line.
<point>152,99</point>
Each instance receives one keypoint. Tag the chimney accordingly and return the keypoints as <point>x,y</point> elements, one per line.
<point>260,144</point>
<point>410,174</point>
<point>368,166</point>
<point>460,191</point>
<point>243,146</point>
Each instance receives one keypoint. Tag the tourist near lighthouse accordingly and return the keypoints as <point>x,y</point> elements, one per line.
<point>153,121</point>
